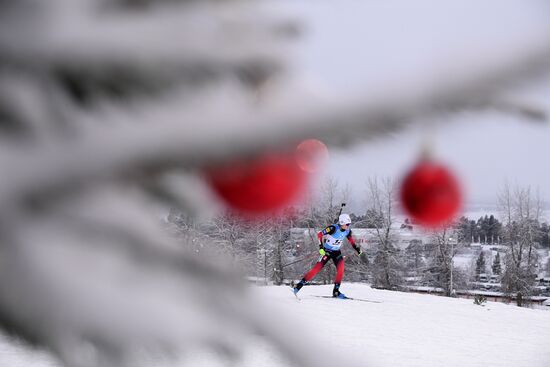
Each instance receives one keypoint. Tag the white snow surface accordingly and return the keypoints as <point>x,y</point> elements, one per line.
<point>405,329</point>
<point>410,329</point>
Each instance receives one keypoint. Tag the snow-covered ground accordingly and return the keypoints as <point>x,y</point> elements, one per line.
<point>410,329</point>
<point>406,329</point>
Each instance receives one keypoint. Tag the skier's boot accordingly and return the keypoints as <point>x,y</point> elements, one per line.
<point>298,286</point>
<point>336,292</point>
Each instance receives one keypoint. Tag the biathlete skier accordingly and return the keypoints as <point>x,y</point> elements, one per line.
<point>330,241</point>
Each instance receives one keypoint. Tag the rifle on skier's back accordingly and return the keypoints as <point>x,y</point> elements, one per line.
<point>340,212</point>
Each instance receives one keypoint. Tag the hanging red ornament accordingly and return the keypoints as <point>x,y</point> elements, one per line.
<point>431,194</point>
<point>311,154</point>
<point>259,185</point>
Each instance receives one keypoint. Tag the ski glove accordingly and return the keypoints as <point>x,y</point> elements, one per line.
<point>359,252</point>
<point>322,251</point>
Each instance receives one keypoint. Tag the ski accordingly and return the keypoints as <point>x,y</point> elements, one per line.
<point>350,298</point>
<point>295,294</point>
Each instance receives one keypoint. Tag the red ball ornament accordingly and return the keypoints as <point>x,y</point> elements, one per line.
<point>260,185</point>
<point>311,154</point>
<point>431,194</point>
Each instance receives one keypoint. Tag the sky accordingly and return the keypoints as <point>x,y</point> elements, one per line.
<point>484,151</point>
<point>346,49</point>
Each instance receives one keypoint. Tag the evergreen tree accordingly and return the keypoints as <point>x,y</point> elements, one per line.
<point>495,228</point>
<point>464,232</point>
<point>93,93</point>
<point>440,271</point>
<point>497,269</point>
<point>474,227</point>
<point>480,265</point>
<point>544,235</point>
<point>483,224</point>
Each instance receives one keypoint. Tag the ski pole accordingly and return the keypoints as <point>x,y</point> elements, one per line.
<point>296,261</point>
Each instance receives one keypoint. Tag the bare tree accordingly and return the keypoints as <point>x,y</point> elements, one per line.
<point>283,248</point>
<point>272,238</point>
<point>328,204</point>
<point>346,193</point>
<point>520,210</point>
<point>415,262</point>
<point>387,264</point>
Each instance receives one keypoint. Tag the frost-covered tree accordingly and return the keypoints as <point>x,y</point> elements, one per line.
<point>441,270</point>
<point>415,260</point>
<point>271,238</point>
<point>104,107</point>
<point>387,263</point>
<point>521,210</point>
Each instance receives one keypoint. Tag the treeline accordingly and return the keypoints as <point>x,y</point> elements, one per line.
<point>489,230</point>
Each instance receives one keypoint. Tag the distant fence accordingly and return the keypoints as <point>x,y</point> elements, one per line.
<point>471,294</point>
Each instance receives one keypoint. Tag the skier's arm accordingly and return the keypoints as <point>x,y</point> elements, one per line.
<point>355,246</point>
<point>320,237</point>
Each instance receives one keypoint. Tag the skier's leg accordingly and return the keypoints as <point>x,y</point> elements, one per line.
<point>311,273</point>
<point>339,262</point>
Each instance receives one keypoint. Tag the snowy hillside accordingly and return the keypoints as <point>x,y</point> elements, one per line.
<point>419,330</point>
<point>405,329</point>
